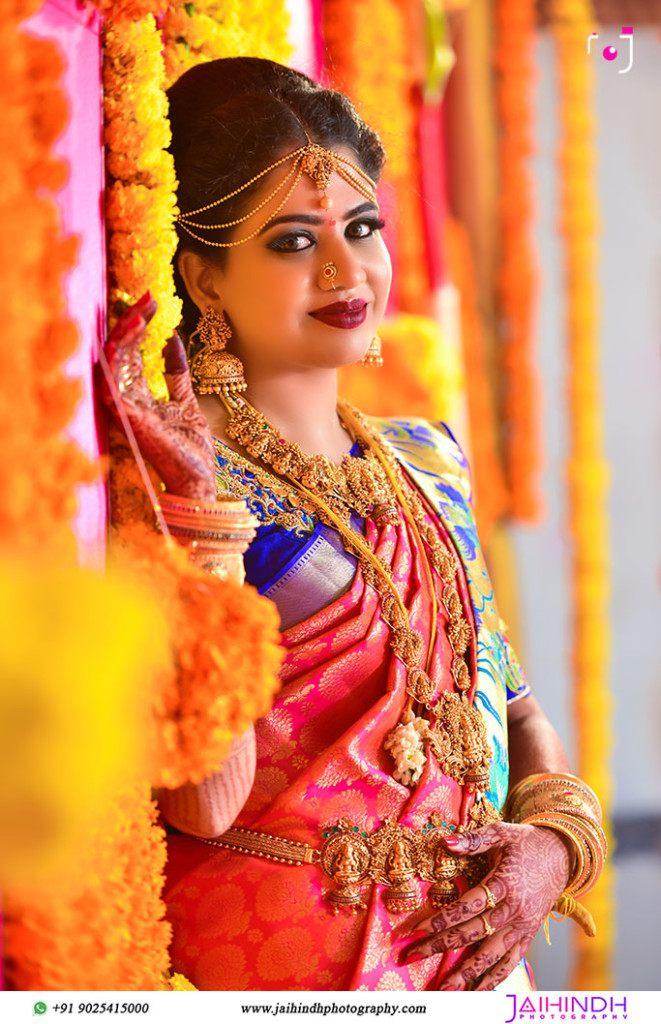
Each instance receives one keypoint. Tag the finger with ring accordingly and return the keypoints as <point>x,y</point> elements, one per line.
<point>488,928</point>
<point>491,899</point>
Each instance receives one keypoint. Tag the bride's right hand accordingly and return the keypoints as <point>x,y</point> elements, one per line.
<point>173,435</point>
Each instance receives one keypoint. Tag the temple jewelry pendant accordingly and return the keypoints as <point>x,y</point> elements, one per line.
<point>483,813</point>
<point>345,858</point>
<point>441,866</point>
<point>459,740</point>
<point>446,869</point>
<point>396,860</point>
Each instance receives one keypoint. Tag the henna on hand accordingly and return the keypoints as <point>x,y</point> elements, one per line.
<point>172,435</point>
<point>502,969</point>
<point>531,868</point>
<point>489,954</point>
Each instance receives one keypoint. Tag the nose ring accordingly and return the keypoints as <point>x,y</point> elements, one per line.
<point>327,277</point>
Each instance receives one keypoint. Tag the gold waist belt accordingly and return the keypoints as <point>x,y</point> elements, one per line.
<point>395,856</point>
<point>260,844</point>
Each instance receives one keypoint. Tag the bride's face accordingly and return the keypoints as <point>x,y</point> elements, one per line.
<point>270,287</point>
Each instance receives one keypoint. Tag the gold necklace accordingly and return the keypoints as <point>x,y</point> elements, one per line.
<point>454,728</point>
<point>357,485</point>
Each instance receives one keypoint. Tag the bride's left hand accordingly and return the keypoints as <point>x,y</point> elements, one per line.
<point>173,435</point>
<point>531,866</point>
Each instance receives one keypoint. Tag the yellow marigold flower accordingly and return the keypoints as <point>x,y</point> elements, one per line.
<point>75,692</point>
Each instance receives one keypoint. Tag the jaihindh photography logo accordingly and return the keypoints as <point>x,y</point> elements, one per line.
<point>582,1007</point>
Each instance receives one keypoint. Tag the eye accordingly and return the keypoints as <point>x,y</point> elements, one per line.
<point>365,227</point>
<point>293,241</point>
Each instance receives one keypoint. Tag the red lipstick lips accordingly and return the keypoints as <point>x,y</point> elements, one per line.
<point>345,315</point>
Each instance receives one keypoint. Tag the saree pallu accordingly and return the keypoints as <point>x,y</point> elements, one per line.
<point>246,923</point>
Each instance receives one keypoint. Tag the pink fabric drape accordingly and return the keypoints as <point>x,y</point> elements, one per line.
<point>244,923</point>
<point>76,30</point>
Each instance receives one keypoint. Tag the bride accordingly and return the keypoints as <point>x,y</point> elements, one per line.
<point>403,817</point>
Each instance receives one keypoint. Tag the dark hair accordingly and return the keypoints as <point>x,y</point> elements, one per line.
<point>233,117</point>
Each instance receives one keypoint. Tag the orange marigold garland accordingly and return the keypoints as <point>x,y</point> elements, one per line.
<point>140,198</point>
<point>104,929</point>
<point>221,633</point>
<point>208,29</point>
<point>571,23</point>
<point>60,765</point>
<point>370,57</point>
<point>128,10</point>
<point>198,704</point>
<point>39,470</point>
<point>38,476</point>
<point>516,285</point>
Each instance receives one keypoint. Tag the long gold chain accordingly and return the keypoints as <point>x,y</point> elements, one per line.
<point>309,474</point>
<point>360,430</point>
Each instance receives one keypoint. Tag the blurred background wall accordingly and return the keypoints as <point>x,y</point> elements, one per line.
<point>629,171</point>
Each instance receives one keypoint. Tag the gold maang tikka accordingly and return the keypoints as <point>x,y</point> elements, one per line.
<point>213,369</point>
<point>312,159</point>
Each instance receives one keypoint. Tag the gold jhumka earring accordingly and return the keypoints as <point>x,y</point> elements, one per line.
<point>213,370</point>
<point>373,356</point>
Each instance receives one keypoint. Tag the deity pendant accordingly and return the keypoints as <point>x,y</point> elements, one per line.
<point>345,858</point>
<point>459,740</point>
<point>441,866</point>
<point>396,860</point>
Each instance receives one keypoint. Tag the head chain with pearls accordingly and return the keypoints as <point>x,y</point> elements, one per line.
<point>314,160</point>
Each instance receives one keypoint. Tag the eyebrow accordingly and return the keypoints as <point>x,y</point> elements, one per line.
<point>313,218</point>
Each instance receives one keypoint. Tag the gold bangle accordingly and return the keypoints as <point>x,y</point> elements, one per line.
<point>205,535</point>
<point>210,530</point>
<point>555,787</point>
<point>568,804</point>
<point>557,779</point>
<point>582,867</point>
<point>221,506</point>
<point>554,800</point>
<point>586,837</point>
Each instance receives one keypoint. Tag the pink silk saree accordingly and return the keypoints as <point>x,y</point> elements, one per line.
<point>245,923</point>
